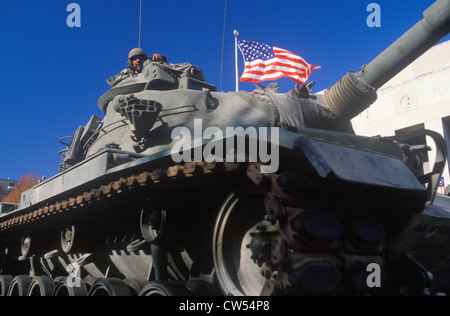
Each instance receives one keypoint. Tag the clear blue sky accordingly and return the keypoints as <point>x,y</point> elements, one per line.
<point>52,75</point>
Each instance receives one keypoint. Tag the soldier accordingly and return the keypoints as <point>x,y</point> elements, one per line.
<point>137,57</point>
<point>136,62</point>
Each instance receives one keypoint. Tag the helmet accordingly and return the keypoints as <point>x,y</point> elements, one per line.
<point>136,52</point>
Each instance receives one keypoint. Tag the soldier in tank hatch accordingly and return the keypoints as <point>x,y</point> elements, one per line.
<point>137,60</point>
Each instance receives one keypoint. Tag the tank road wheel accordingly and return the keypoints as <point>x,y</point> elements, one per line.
<point>5,282</point>
<point>19,286</point>
<point>242,243</point>
<point>153,224</point>
<point>165,288</point>
<point>109,287</point>
<point>41,286</point>
<point>68,238</point>
<point>135,285</point>
<point>25,246</point>
<point>65,288</point>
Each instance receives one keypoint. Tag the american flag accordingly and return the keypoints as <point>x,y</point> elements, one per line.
<point>442,185</point>
<point>265,62</point>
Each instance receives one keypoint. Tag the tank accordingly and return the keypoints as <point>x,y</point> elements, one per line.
<point>180,190</point>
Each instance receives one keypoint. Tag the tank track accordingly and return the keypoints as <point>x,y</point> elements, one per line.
<point>113,188</point>
<point>297,248</point>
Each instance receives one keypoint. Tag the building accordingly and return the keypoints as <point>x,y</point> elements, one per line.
<point>417,98</point>
<point>5,187</point>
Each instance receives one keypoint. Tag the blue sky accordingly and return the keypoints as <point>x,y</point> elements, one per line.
<point>52,75</point>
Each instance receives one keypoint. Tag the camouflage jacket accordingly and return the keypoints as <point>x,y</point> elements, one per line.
<point>121,76</point>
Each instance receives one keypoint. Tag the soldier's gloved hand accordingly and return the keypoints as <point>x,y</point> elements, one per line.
<point>159,57</point>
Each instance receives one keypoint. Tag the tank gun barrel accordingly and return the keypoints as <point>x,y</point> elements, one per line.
<point>357,91</point>
<point>422,36</point>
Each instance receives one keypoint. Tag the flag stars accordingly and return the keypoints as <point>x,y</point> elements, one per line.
<point>254,51</point>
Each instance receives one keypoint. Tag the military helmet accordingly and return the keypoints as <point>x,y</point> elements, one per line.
<point>136,52</point>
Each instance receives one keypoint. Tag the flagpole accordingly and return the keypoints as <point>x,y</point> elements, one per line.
<point>223,43</point>
<point>236,33</point>
<point>140,22</point>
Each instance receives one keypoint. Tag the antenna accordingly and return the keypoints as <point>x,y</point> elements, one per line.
<point>140,23</point>
<point>223,44</point>
<point>236,33</point>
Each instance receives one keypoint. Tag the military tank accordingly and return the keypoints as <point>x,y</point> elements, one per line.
<point>183,190</point>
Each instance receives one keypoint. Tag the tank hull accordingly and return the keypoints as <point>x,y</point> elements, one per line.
<point>102,222</point>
